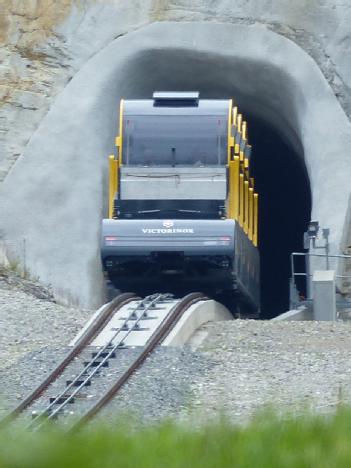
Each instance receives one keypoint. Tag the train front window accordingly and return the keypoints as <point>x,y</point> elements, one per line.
<point>175,140</point>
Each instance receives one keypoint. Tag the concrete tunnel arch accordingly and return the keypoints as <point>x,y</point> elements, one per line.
<point>278,87</point>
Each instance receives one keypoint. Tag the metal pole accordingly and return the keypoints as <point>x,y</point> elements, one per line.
<point>308,276</point>
<point>327,253</point>
<point>292,267</point>
<point>292,282</point>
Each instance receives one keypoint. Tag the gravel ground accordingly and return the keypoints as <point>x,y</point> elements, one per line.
<point>240,366</point>
<point>290,366</point>
<point>33,332</point>
<point>160,389</point>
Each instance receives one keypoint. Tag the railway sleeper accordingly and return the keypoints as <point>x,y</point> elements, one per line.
<point>104,354</point>
<point>133,315</point>
<point>95,363</point>
<point>46,415</point>
<point>135,327</point>
<point>122,345</point>
<point>54,417</point>
<point>61,400</point>
<point>145,316</point>
<point>78,383</point>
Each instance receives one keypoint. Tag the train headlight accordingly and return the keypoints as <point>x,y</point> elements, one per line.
<point>111,240</point>
<point>225,240</point>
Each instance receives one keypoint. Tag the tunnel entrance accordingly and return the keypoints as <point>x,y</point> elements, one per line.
<point>285,208</point>
<point>277,159</point>
<point>278,87</point>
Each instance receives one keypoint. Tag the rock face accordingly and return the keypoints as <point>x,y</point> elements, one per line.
<point>33,70</point>
<point>45,42</point>
<point>62,168</point>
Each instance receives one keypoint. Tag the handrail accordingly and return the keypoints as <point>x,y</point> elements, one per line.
<point>294,293</point>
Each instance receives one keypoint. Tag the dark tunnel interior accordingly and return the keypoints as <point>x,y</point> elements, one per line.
<point>278,164</point>
<point>284,211</point>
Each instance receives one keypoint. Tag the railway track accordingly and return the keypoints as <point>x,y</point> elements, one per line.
<point>127,323</point>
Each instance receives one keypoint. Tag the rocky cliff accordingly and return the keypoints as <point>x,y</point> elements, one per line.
<point>45,42</point>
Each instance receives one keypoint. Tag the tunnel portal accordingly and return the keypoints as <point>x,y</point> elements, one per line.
<point>294,122</point>
<point>277,158</point>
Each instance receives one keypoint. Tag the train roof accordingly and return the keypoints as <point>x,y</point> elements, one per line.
<point>174,103</point>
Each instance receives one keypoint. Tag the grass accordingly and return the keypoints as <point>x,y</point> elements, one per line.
<point>14,268</point>
<point>268,441</point>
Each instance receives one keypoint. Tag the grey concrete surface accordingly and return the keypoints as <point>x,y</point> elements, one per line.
<point>302,313</point>
<point>114,333</point>
<point>62,175</point>
<point>196,316</point>
<point>324,300</point>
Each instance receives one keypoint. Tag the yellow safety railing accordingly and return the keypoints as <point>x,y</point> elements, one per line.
<point>119,137</point>
<point>255,230</point>
<point>114,165</point>
<point>251,213</point>
<point>113,183</point>
<point>246,207</point>
<point>230,137</point>
<point>242,198</point>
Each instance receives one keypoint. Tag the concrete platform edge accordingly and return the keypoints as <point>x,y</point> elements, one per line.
<point>193,319</point>
<point>292,315</point>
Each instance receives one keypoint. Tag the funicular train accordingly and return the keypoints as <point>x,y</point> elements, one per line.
<point>182,206</point>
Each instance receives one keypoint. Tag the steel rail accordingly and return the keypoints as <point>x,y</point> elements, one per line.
<point>82,343</point>
<point>160,334</point>
<point>145,305</point>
